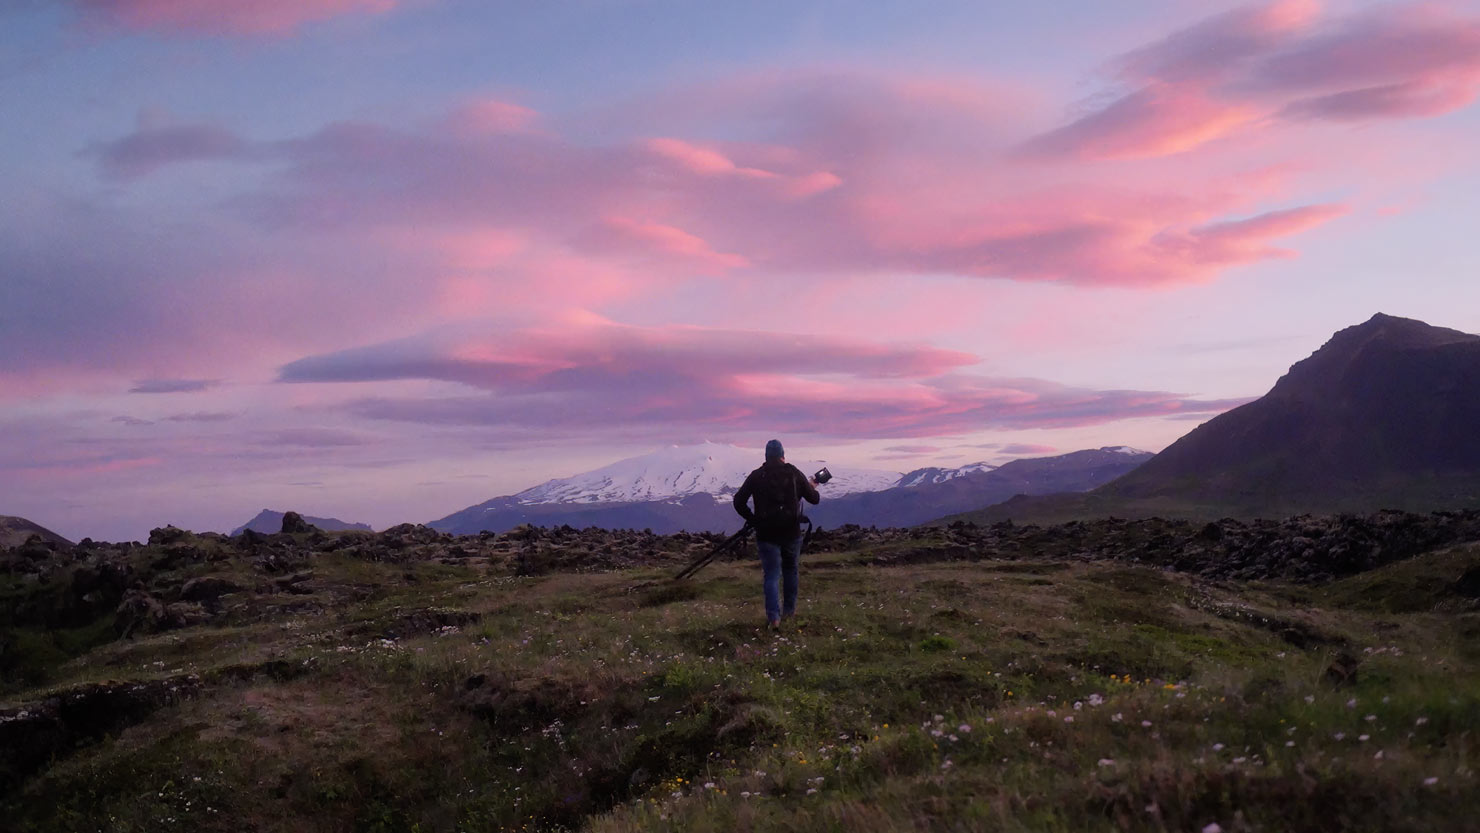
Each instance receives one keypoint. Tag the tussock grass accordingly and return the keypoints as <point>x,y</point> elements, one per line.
<point>935,696</point>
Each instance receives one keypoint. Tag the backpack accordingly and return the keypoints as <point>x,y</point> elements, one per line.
<point>777,504</point>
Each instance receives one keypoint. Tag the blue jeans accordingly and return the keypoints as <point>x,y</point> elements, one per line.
<point>779,565</point>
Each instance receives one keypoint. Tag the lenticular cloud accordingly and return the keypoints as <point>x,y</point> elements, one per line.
<point>233,17</point>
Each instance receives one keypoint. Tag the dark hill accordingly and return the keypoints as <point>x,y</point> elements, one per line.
<point>16,531</point>
<point>1078,471</point>
<point>269,521</point>
<point>1384,415</point>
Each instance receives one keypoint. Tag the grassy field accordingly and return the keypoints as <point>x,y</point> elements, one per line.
<point>1020,695</point>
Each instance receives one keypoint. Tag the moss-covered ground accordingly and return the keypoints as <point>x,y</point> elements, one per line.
<point>982,695</point>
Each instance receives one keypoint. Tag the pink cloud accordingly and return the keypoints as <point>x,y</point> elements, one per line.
<point>481,360</point>
<point>1149,245</point>
<point>1415,61</point>
<point>707,161</point>
<point>822,206</point>
<point>675,241</point>
<point>1409,99</point>
<point>236,17</point>
<point>1280,59</point>
<point>152,148</point>
<point>1386,45</point>
<point>172,385</point>
<point>85,468</point>
<point>814,183</point>
<point>489,116</point>
<point>1220,45</point>
<point>1247,240</point>
<point>1022,449</point>
<point>1158,120</point>
<point>702,160</point>
<point>845,177</point>
<point>597,376</point>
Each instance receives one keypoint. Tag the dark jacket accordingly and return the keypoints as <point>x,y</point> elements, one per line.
<point>778,489</point>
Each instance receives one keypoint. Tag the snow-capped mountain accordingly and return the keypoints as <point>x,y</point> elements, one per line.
<point>934,474</point>
<point>691,487</point>
<point>678,472</point>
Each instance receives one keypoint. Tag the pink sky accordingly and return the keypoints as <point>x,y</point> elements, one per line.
<point>345,257</point>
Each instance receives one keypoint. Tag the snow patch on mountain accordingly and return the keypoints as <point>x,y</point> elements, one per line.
<point>677,472</point>
<point>921,477</point>
<point>1123,449</point>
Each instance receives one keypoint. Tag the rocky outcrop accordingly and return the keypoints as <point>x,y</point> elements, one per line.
<point>294,524</point>
<point>140,612</point>
<point>1305,548</point>
<point>19,532</point>
<point>35,733</point>
<point>31,735</point>
<point>208,589</point>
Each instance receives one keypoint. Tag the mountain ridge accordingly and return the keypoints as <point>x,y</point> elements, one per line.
<point>270,521</point>
<point>15,531</point>
<point>926,494</point>
<point>1382,416</point>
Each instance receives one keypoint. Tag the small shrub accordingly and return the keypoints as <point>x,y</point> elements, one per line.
<point>936,643</point>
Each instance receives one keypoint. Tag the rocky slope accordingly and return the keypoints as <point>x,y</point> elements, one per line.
<point>16,531</point>
<point>1077,471</point>
<point>1382,416</point>
<point>271,520</point>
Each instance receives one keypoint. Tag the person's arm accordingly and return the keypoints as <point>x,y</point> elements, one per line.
<point>807,488</point>
<point>742,497</point>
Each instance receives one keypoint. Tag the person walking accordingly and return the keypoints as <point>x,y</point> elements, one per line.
<point>777,488</point>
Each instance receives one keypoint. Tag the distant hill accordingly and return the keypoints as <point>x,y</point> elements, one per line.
<point>16,531</point>
<point>1383,416</point>
<point>667,490</point>
<point>270,521</point>
<point>1077,471</point>
<point>864,497</point>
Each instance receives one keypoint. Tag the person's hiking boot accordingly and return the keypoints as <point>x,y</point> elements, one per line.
<point>773,624</point>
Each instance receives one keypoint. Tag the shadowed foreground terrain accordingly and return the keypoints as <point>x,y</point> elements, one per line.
<point>1319,674</point>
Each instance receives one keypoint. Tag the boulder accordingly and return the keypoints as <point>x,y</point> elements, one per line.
<point>293,524</point>
<point>208,589</point>
<point>140,612</point>
<point>167,535</point>
<point>1469,584</point>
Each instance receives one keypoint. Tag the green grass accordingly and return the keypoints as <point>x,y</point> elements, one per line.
<point>956,696</point>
